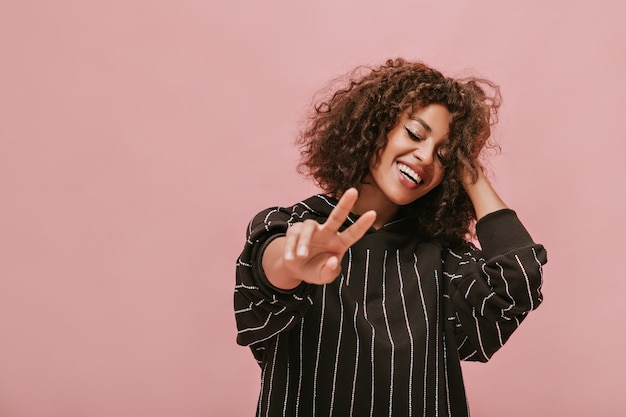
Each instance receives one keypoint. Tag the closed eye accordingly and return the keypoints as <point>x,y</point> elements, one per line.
<point>413,135</point>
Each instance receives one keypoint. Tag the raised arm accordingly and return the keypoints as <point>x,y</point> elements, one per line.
<point>280,257</point>
<point>493,289</point>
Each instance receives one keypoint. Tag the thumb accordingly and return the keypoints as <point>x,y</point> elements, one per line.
<point>330,270</point>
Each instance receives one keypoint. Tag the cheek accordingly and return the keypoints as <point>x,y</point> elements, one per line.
<point>439,175</point>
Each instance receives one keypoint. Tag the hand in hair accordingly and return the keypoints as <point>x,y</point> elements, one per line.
<point>480,191</point>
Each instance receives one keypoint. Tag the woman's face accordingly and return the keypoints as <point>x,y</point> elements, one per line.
<point>410,165</point>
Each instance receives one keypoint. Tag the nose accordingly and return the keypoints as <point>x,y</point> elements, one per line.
<point>425,153</point>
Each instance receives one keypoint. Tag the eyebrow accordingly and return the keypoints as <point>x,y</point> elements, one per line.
<point>423,123</point>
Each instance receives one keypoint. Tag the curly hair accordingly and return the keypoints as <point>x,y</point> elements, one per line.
<point>349,128</point>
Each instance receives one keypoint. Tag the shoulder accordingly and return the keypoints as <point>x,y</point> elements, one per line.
<point>315,207</point>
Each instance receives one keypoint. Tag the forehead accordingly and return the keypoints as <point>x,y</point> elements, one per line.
<point>434,118</point>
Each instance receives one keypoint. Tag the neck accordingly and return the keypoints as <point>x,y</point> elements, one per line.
<point>369,199</point>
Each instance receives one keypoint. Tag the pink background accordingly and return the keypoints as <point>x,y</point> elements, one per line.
<point>138,137</point>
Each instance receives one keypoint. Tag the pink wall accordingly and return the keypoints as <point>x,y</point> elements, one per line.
<point>138,137</point>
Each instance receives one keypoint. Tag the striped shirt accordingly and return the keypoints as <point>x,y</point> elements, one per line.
<point>387,336</point>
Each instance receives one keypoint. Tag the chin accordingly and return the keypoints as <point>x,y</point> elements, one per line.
<point>405,201</point>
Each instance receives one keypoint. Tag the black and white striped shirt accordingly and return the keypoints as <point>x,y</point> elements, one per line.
<point>387,336</point>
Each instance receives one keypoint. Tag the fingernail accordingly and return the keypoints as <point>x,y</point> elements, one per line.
<point>302,251</point>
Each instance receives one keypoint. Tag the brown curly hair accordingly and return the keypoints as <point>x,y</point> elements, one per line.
<point>350,128</point>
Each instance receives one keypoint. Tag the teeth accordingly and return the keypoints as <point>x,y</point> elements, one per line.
<point>410,173</point>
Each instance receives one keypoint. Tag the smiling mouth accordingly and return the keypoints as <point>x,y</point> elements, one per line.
<point>409,173</point>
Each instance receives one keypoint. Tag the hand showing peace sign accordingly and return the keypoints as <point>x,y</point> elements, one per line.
<point>312,252</point>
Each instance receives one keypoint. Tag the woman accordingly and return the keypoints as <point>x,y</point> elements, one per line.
<point>363,300</point>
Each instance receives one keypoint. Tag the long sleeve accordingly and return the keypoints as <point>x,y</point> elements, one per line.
<point>493,289</point>
<point>261,310</point>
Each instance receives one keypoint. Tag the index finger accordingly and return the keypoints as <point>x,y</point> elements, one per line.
<point>339,214</point>
<point>355,232</point>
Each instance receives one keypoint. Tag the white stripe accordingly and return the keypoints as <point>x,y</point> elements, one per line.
<point>367,265</point>
<point>462,343</point>
<point>393,349</point>
<point>266,220</point>
<point>469,288</point>
<point>286,391</point>
<point>482,267</point>
<point>271,382</point>
<point>452,276</point>
<point>437,349</point>
<point>469,356</point>
<point>419,282</point>
<point>261,397</point>
<point>349,268</point>
<point>408,328</point>
<point>506,288</point>
<point>540,273</point>
<point>243,310</point>
<point>445,373</point>
<point>332,397</point>
<point>294,214</point>
<point>275,333</point>
<point>250,226</point>
<point>302,203</point>
<point>319,344</point>
<point>530,296</point>
<point>300,372</point>
<point>356,355</point>
<point>322,197</point>
<point>247,287</point>
<point>482,307</point>
<point>251,329</point>
<point>480,341</point>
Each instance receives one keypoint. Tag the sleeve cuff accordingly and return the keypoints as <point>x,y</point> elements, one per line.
<point>500,232</point>
<point>260,273</point>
